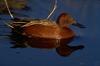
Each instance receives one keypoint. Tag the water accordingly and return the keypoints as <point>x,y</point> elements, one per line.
<point>87,13</point>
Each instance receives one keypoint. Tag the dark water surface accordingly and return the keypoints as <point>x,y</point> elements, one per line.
<point>85,12</point>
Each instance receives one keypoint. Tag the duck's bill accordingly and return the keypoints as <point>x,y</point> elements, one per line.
<point>79,25</point>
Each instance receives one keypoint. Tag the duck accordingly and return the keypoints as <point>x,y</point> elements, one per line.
<point>49,34</point>
<point>59,29</point>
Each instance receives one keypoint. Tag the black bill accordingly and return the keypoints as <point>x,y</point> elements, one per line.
<point>79,25</point>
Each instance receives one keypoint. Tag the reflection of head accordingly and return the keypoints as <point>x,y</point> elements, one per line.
<point>67,50</point>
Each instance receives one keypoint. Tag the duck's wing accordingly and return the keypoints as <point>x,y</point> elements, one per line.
<point>41,22</point>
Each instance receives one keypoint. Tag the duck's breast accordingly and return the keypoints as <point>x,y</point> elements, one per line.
<point>66,33</point>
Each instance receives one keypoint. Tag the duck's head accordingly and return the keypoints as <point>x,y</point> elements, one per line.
<point>64,19</point>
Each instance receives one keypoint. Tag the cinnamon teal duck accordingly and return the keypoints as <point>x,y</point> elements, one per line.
<point>43,28</point>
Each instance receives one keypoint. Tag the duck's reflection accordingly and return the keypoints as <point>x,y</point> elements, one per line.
<point>61,46</point>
